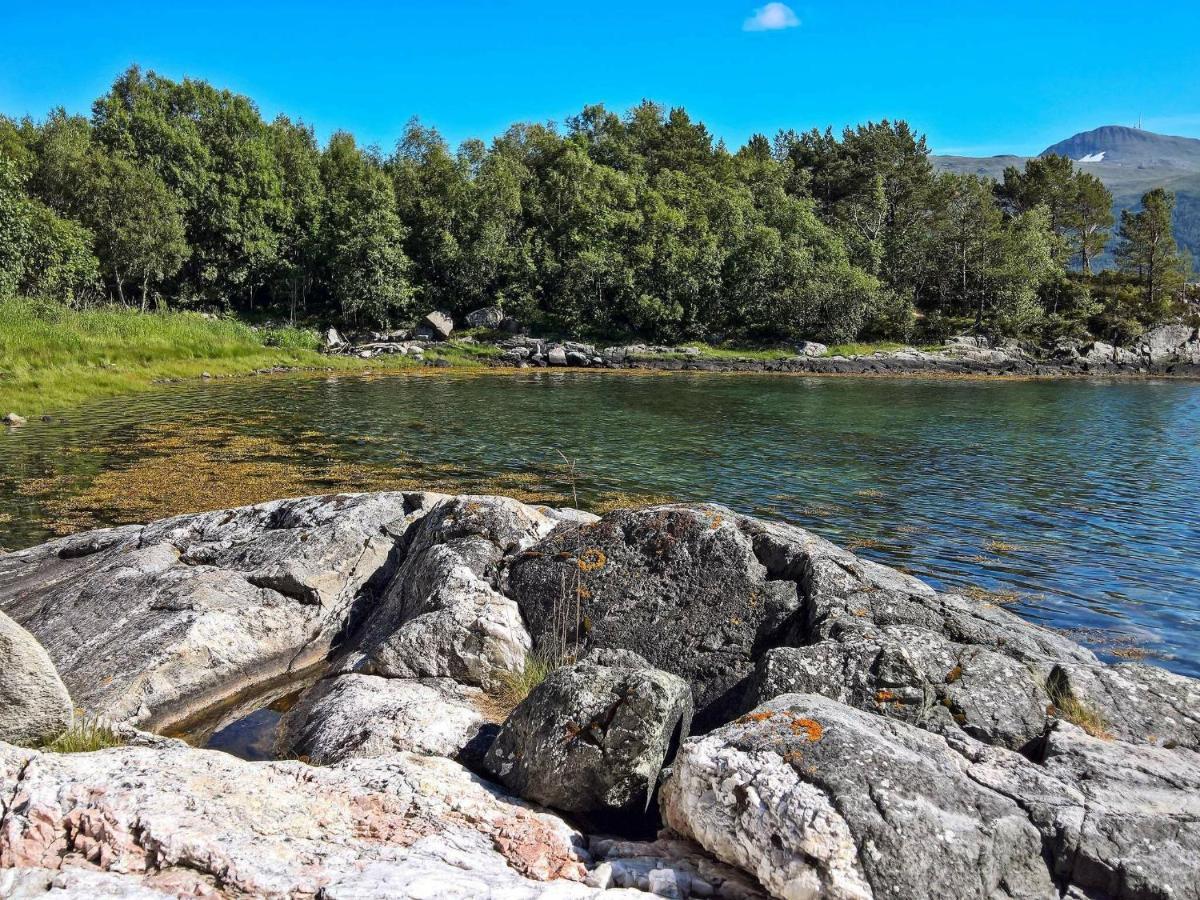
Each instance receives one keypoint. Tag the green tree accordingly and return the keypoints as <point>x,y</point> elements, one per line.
<point>365,268</point>
<point>1078,205</point>
<point>211,148</point>
<point>1147,251</point>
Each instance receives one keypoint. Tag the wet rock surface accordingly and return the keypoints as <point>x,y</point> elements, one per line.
<point>858,734</point>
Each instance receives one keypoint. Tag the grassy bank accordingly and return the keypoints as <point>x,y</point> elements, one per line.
<point>52,357</point>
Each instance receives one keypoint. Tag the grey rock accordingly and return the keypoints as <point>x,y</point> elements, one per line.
<point>202,823</point>
<point>486,317</point>
<point>1118,819</point>
<point>916,676</point>
<point>364,716</point>
<point>439,323</point>
<point>593,738</point>
<point>443,614</point>
<point>34,704</point>
<point>811,348</point>
<point>333,340</point>
<point>575,358</point>
<point>692,871</point>
<point>818,799</point>
<point>1166,342</point>
<point>557,356</point>
<point>680,585</point>
<point>973,341</point>
<point>153,624</point>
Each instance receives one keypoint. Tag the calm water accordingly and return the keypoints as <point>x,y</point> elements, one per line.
<point>1078,502</point>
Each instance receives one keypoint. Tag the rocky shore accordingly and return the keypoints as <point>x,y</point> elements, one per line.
<point>500,700</point>
<point>1168,350</point>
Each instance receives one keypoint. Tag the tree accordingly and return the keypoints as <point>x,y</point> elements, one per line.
<point>1147,251</point>
<point>1078,205</point>
<point>989,266</point>
<point>213,150</point>
<point>365,268</point>
<point>295,149</point>
<point>1090,219</point>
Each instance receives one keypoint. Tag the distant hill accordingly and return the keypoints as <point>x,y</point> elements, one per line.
<point>1117,145</point>
<point>1129,161</point>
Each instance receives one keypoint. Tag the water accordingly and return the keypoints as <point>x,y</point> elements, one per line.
<point>1077,502</point>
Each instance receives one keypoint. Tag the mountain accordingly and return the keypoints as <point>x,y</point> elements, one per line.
<point>1129,161</point>
<point>1117,145</point>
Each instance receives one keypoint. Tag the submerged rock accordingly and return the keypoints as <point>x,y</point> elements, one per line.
<point>34,704</point>
<point>594,736</point>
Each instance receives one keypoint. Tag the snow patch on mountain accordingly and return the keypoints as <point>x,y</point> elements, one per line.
<point>1092,157</point>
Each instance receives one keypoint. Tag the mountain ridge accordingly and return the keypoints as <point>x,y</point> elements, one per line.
<point>1130,162</point>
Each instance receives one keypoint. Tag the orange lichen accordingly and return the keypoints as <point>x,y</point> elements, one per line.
<point>884,696</point>
<point>810,729</point>
<point>591,560</point>
<point>954,674</point>
<point>751,718</point>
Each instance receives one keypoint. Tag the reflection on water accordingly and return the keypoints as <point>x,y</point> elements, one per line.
<point>1077,503</point>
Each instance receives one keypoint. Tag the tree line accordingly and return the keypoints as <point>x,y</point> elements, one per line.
<point>179,194</point>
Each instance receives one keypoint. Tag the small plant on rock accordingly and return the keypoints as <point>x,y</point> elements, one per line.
<point>87,733</point>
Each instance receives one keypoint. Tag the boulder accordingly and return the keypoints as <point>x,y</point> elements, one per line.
<point>154,624</point>
<point>332,340</point>
<point>34,705</point>
<point>1118,819</point>
<point>363,716</point>
<point>437,324</point>
<point>680,585</point>
<point>811,348</point>
<point>1165,343</point>
<point>443,614</point>
<point>969,341</point>
<point>917,676</point>
<point>669,866</point>
<point>202,823</point>
<point>593,737</point>
<point>577,359</point>
<point>818,799</point>
<point>486,317</point>
<point>557,356</point>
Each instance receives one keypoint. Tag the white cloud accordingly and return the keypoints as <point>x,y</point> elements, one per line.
<point>772,17</point>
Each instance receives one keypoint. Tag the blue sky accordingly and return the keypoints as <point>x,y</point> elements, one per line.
<point>977,78</point>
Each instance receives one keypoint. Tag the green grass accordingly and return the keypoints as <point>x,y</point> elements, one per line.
<point>516,686</point>
<point>53,357</point>
<point>857,349</point>
<point>85,735</point>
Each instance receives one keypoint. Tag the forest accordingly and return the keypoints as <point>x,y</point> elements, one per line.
<point>179,195</point>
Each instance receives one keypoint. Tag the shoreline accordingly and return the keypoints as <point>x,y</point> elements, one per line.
<point>23,399</point>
